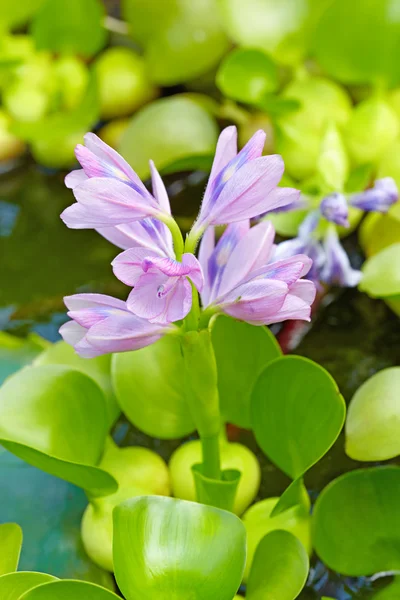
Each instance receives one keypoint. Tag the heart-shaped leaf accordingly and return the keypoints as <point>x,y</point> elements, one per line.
<point>168,548</point>
<point>241,351</point>
<point>98,368</point>
<point>55,418</point>
<point>69,590</point>
<point>280,568</point>
<point>247,75</point>
<point>373,418</point>
<point>297,413</point>
<point>356,522</point>
<point>10,547</point>
<point>294,495</point>
<point>14,585</point>
<point>149,388</point>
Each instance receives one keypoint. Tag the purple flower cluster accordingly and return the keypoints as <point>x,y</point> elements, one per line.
<point>238,275</point>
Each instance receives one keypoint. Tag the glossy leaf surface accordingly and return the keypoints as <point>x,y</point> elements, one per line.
<point>373,418</point>
<point>280,568</point>
<point>165,547</point>
<point>10,547</point>
<point>356,522</point>
<point>14,585</point>
<point>150,390</point>
<point>241,351</point>
<point>44,416</point>
<point>69,590</point>
<point>297,413</point>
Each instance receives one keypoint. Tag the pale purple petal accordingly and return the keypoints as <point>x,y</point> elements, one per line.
<point>189,261</point>
<point>84,301</point>
<point>75,178</point>
<point>250,254</point>
<point>72,332</point>
<point>189,267</point>
<point>283,199</point>
<point>106,202</point>
<point>245,195</point>
<point>161,299</point>
<point>127,266</point>
<point>206,249</point>
<point>379,198</point>
<point>159,191</point>
<point>309,224</point>
<point>297,304</point>
<point>288,270</point>
<point>225,151</point>
<point>255,302</point>
<point>337,269</point>
<point>334,208</point>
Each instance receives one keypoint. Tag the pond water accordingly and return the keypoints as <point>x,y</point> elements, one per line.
<point>41,261</point>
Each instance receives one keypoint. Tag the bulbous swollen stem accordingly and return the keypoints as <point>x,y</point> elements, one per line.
<point>177,238</point>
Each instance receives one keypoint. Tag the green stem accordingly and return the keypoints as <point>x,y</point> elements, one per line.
<point>177,238</point>
<point>211,457</point>
<point>206,316</point>
<point>192,239</point>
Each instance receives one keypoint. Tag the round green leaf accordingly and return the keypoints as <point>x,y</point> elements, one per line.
<point>14,585</point>
<point>10,547</point>
<point>247,75</point>
<point>390,592</point>
<point>79,31</point>
<point>381,273</point>
<point>280,568</point>
<point>356,522</point>
<point>168,548</point>
<point>297,413</point>
<point>14,14</point>
<point>98,368</point>
<point>69,589</point>
<point>366,53</point>
<point>373,418</point>
<point>55,418</point>
<point>241,351</point>
<point>166,131</point>
<point>149,387</point>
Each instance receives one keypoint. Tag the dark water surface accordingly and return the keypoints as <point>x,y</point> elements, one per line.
<point>41,260</point>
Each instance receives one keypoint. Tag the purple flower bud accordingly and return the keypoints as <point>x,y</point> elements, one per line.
<point>337,269</point>
<point>334,208</point>
<point>379,198</point>
<point>102,324</point>
<point>240,280</point>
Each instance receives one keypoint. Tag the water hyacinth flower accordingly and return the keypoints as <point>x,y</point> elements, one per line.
<point>101,324</point>
<point>379,198</point>
<point>240,281</point>
<point>242,185</point>
<point>335,209</point>
<point>337,269</point>
<point>108,191</point>
<point>161,290</point>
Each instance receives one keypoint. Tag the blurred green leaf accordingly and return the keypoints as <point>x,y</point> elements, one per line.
<point>276,106</point>
<point>259,521</point>
<point>333,162</point>
<point>359,46</point>
<point>287,223</point>
<point>14,585</point>
<point>14,14</point>
<point>356,522</point>
<point>378,231</point>
<point>69,590</point>
<point>181,39</point>
<point>44,417</point>
<point>16,352</point>
<point>98,368</point>
<point>247,75</point>
<point>373,418</point>
<point>381,277</point>
<point>241,351</point>
<point>359,178</point>
<point>165,547</point>
<point>280,568</point>
<point>149,388</point>
<point>167,131</point>
<point>79,31</point>
<point>294,401</point>
<point>10,547</point>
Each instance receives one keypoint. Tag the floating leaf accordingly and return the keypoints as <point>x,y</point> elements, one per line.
<point>280,568</point>
<point>356,522</point>
<point>80,31</point>
<point>10,547</point>
<point>98,368</point>
<point>247,75</point>
<point>373,418</point>
<point>14,585</point>
<point>149,388</point>
<point>166,131</point>
<point>381,275</point>
<point>44,417</point>
<point>69,590</point>
<point>241,351</point>
<point>297,413</point>
<point>165,547</point>
<point>362,54</point>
